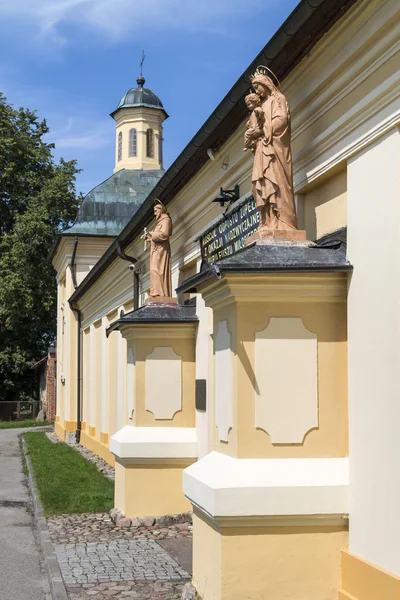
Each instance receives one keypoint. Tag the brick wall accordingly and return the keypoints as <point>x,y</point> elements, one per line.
<point>51,374</point>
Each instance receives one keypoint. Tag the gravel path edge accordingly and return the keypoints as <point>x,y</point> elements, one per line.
<point>57,587</point>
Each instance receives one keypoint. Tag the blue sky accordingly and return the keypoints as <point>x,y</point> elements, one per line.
<point>72,60</point>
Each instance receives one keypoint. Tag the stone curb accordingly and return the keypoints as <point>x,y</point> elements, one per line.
<point>57,587</point>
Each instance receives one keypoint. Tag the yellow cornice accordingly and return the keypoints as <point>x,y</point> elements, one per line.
<point>283,287</point>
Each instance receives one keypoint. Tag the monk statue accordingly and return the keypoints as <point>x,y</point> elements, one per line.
<point>160,253</point>
<point>268,137</point>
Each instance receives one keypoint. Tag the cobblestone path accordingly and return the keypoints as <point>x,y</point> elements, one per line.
<point>155,590</point>
<point>73,529</point>
<point>102,561</point>
<point>117,561</point>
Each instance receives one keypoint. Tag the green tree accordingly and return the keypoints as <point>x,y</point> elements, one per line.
<point>37,200</point>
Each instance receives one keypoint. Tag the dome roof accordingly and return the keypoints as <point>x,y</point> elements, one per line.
<point>107,208</point>
<point>140,96</point>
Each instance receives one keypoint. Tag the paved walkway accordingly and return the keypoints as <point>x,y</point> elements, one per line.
<point>103,561</point>
<point>21,575</point>
<point>97,558</point>
<point>122,560</point>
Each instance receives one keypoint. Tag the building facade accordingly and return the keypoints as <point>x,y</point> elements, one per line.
<point>271,393</point>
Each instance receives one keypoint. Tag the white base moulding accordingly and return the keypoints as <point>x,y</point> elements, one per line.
<point>225,487</point>
<point>154,442</point>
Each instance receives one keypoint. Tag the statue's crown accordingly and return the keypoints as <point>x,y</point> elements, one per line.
<point>262,70</point>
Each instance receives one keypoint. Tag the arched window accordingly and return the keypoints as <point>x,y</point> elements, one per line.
<point>132,143</point>
<point>150,143</point>
<point>120,145</point>
<point>160,150</point>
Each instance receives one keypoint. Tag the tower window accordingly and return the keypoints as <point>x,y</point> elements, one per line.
<point>132,143</point>
<point>120,145</point>
<point>150,143</point>
<point>160,150</point>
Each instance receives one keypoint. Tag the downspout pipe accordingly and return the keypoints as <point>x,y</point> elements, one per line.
<point>78,374</point>
<point>78,348</point>
<point>72,263</point>
<point>136,273</point>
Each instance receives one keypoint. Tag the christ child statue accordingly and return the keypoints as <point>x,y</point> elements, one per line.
<point>255,124</point>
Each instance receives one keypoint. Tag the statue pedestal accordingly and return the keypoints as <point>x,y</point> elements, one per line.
<point>277,234</point>
<point>162,300</point>
<point>158,439</point>
<point>271,497</point>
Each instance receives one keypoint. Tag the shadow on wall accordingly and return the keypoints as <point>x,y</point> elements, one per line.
<point>325,208</point>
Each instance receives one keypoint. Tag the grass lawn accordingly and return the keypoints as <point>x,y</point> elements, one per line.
<point>67,483</point>
<point>26,423</point>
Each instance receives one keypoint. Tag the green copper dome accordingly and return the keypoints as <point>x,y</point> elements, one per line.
<point>110,205</point>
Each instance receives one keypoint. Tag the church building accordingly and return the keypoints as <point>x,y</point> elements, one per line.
<point>264,396</point>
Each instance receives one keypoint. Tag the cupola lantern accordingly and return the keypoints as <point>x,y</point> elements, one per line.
<point>139,119</point>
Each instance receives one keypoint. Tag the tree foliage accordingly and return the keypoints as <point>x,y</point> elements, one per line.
<point>37,200</point>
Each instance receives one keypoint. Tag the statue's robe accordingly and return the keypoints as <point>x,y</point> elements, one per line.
<point>160,258</point>
<point>272,178</point>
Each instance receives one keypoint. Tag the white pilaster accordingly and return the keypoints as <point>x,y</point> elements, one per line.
<point>104,376</point>
<point>204,363</point>
<point>374,351</point>
<point>67,350</point>
<point>120,389</point>
<point>223,381</point>
<point>130,383</point>
<point>60,350</point>
<point>92,385</point>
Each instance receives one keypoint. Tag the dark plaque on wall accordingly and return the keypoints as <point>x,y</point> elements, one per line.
<point>229,235</point>
<point>201,394</point>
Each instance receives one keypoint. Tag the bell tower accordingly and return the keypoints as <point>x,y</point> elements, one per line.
<point>139,119</point>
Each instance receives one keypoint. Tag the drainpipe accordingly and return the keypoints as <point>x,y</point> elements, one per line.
<point>78,348</point>
<point>136,274</point>
<point>72,263</point>
<point>78,374</point>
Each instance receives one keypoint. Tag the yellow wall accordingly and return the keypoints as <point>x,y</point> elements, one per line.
<point>96,446</point>
<point>264,562</point>
<point>59,430</point>
<point>362,580</point>
<point>150,489</point>
<point>87,253</point>
<point>325,208</point>
<point>92,392</point>
<point>141,119</point>
<point>207,557</point>
<point>328,321</point>
<point>184,348</point>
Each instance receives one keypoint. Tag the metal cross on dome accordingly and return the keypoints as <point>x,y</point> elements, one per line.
<point>141,63</point>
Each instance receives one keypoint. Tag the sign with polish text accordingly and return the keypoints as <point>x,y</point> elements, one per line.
<point>230,234</point>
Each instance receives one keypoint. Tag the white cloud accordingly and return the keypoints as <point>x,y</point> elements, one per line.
<point>116,19</point>
<point>81,134</point>
<point>86,130</point>
<point>94,141</point>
